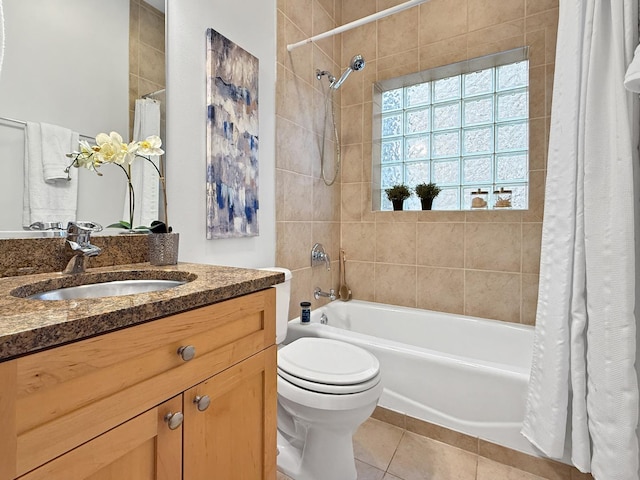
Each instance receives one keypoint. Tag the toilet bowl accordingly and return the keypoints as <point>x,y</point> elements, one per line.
<point>326,390</point>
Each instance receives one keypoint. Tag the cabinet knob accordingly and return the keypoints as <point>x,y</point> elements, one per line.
<point>202,402</point>
<point>187,352</point>
<point>174,420</point>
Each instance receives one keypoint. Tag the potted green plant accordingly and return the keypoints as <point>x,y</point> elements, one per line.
<point>427,192</point>
<point>397,194</point>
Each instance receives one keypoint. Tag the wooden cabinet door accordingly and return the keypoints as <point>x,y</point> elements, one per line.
<point>235,436</point>
<point>143,448</point>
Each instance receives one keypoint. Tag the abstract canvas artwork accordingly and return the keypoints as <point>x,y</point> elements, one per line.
<point>232,139</point>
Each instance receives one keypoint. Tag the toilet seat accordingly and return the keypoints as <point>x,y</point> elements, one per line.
<point>328,366</point>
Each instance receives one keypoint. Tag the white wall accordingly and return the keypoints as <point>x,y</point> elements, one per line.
<point>66,63</point>
<point>252,25</point>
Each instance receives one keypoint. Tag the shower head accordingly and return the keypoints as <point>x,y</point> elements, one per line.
<point>357,63</point>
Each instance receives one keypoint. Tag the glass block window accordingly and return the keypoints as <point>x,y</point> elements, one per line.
<point>463,131</point>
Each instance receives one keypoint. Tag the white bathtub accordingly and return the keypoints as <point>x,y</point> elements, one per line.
<point>463,373</point>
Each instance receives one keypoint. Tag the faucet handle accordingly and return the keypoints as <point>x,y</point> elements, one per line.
<point>83,227</point>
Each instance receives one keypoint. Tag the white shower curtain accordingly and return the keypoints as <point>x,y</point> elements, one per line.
<point>583,392</point>
<point>144,177</point>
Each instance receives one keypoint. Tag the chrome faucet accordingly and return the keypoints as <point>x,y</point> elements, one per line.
<point>319,256</point>
<point>331,295</point>
<point>79,240</point>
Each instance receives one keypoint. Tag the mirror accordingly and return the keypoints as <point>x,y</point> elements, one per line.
<point>79,64</point>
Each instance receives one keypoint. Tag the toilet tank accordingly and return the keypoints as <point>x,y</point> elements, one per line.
<point>283,294</point>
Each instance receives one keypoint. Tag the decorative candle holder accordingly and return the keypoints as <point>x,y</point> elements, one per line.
<point>163,248</point>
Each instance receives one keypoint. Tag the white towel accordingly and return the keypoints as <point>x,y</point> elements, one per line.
<point>143,176</point>
<point>632,77</point>
<point>56,143</point>
<point>53,201</point>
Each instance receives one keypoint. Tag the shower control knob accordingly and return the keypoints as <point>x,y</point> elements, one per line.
<point>174,420</point>
<point>202,402</point>
<point>187,352</point>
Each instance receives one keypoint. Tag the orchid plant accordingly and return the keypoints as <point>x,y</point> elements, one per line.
<point>112,149</point>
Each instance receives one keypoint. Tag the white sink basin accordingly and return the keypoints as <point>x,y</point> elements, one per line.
<point>107,289</point>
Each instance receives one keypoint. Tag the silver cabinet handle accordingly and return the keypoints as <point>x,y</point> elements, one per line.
<point>202,402</point>
<point>174,420</point>
<point>187,352</point>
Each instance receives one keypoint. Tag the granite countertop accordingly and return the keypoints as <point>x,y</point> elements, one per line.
<point>27,326</point>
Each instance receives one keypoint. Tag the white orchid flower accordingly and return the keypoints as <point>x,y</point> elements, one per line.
<point>110,148</point>
<point>150,146</point>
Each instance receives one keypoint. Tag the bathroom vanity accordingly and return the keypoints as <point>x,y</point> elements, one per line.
<point>165,385</point>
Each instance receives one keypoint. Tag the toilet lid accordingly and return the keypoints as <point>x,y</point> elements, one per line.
<point>322,360</point>
<point>327,388</point>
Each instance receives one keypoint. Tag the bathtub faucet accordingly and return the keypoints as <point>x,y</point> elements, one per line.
<point>317,293</point>
<point>319,256</point>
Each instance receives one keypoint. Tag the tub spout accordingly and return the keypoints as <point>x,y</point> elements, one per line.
<point>331,295</point>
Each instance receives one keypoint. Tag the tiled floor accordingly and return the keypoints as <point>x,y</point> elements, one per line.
<point>387,452</point>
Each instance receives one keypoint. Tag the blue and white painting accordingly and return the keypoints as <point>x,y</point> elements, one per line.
<point>232,139</point>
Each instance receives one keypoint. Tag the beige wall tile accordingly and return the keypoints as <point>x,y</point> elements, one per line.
<point>529,299</point>
<point>151,64</point>
<point>483,13</point>
<point>325,204</point>
<point>279,195</point>
<point>544,19</point>
<point>493,246</point>
<point>355,9</point>
<point>492,295</point>
<point>536,40</point>
<point>531,240</point>
<point>351,125</point>
<point>494,216</point>
<point>322,22</point>
<point>360,277</point>
<point>395,284</point>
<point>537,6</point>
<point>497,33</point>
<point>375,443</point>
<point>444,52</point>
<point>351,201</point>
<point>441,289</point>
<point>537,92</point>
<point>418,458</point>
<point>301,290</point>
<point>352,163</point>
<point>396,243</point>
<point>151,27</point>
<point>361,40</point>
<point>442,19</point>
<point>328,6</point>
<point>298,195</point>
<point>293,244</point>
<point>536,197</point>
<point>328,234</point>
<point>537,144</point>
<point>398,33</point>
<point>298,11</point>
<point>356,240</point>
<point>294,153</point>
<point>441,244</point>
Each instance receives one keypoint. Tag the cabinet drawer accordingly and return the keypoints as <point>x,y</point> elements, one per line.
<point>70,394</point>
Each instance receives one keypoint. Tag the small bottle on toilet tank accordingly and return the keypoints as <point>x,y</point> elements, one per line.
<point>305,313</point>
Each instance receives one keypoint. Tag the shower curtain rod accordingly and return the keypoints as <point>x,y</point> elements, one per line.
<point>357,23</point>
<point>151,94</point>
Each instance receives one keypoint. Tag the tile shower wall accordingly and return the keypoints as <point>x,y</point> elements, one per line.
<point>307,211</point>
<point>146,53</point>
<point>477,263</point>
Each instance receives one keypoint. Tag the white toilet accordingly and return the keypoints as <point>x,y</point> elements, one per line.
<point>326,390</point>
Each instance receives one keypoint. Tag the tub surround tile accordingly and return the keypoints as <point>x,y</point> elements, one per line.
<point>360,277</point>
<point>441,289</point>
<point>396,243</point>
<point>441,244</point>
<point>375,442</point>
<point>356,241</point>
<point>492,295</point>
<point>493,246</point>
<point>395,284</point>
<point>442,19</point>
<point>419,457</point>
<point>27,326</point>
<point>529,299</point>
<point>483,13</point>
